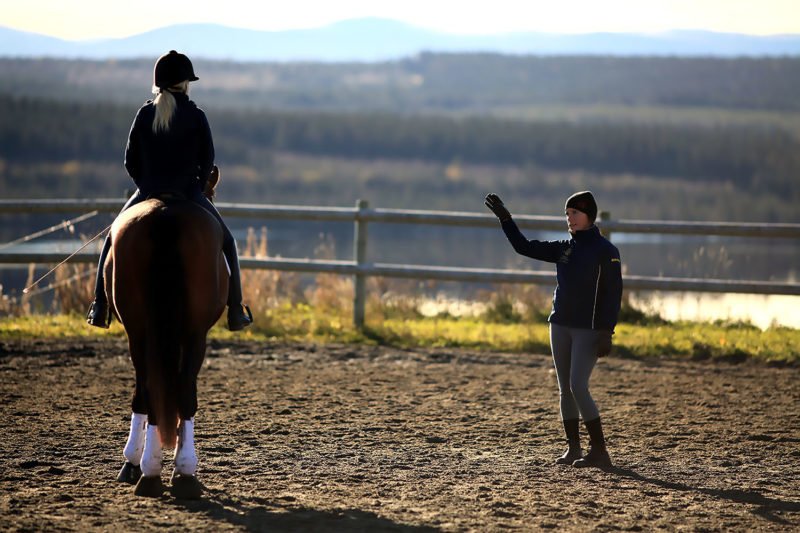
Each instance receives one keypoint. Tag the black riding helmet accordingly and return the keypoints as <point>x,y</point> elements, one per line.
<point>171,69</point>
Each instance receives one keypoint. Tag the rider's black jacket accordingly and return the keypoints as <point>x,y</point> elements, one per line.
<point>179,160</point>
<point>589,275</point>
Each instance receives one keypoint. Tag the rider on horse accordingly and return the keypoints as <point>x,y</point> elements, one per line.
<point>170,152</point>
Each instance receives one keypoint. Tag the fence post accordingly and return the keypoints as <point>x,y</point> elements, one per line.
<point>360,257</point>
<point>605,215</point>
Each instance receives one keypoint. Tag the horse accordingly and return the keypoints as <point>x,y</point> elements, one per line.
<point>167,283</point>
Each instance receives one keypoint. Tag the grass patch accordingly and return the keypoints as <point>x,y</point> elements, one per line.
<point>53,326</point>
<point>301,322</point>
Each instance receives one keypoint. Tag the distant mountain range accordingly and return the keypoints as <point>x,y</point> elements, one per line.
<point>375,39</point>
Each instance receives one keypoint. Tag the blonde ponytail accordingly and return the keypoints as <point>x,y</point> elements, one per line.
<point>165,106</point>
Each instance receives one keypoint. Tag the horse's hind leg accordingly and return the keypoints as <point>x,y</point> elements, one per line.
<point>134,447</point>
<point>152,455</point>
<point>150,483</point>
<point>185,456</point>
<point>144,440</point>
<point>184,482</point>
<point>131,471</point>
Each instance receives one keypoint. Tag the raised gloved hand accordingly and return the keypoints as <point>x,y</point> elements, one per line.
<point>494,203</point>
<point>603,343</point>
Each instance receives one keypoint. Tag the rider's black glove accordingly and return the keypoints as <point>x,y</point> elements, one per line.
<point>494,203</point>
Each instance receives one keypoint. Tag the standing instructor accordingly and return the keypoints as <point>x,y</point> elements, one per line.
<point>585,308</point>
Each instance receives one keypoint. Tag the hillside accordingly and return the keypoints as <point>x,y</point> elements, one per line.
<point>377,39</point>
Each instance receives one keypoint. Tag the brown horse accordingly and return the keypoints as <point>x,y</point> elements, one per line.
<point>167,282</point>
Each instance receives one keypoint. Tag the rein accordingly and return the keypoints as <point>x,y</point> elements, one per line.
<point>27,289</point>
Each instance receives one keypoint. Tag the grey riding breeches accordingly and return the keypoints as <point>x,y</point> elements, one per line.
<point>574,356</point>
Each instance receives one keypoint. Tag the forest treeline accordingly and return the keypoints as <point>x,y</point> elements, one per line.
<point>433,82</point>
<point>672,138</point>
<point>750,158</point>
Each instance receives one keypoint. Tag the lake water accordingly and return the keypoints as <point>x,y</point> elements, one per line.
<point>763,311</point>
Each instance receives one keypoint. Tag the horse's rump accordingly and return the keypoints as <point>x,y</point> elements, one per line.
<point>167,283</point>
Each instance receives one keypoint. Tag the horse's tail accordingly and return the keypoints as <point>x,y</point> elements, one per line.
<point>167,289</point>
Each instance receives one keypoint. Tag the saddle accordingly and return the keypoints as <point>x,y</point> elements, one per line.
<point>168,196</point>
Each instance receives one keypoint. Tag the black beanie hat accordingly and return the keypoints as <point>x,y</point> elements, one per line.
<point>583,201</point>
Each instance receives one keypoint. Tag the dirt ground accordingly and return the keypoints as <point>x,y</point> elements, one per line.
<point>302,437</point>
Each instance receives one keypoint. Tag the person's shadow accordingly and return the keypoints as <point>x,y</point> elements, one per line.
<point>766,506</point>
<point>254,513</point>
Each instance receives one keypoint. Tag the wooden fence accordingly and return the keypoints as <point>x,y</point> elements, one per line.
<point>362,215</point>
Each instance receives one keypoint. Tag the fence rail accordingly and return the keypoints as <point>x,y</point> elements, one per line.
<point>410,216</point>
<point>361,215</point>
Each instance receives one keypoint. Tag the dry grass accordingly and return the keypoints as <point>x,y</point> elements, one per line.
<point>73,288</point>
<point>265,289</point>
<point>330,292</point>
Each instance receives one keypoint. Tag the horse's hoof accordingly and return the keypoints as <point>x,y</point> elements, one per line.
<point>130,473</point>
<point>149,487</point>
<point>186,487</point>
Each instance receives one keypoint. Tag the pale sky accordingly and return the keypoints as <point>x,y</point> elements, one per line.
<point>92,19</point>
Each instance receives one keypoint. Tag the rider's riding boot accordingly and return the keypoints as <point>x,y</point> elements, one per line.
<point>598,455</point>
<point>574,452</point>
<point>98,311</point>
<point>98,314</point>
<point>239,315</point>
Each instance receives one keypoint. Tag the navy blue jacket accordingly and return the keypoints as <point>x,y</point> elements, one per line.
<point>179,160</point>
<point>589,275</point>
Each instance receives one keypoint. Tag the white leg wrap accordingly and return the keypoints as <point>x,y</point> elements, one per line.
<point>151,458</point>
<point>135,445</point>
<point>185,456</point>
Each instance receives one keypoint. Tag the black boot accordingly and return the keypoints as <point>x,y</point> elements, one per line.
<point>574,452</point>
<point>98,314</point>
<point>239,315</point>
<point>598,455</point>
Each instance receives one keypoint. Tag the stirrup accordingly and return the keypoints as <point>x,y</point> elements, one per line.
<point>98,315</point>
<point>239,317</point>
